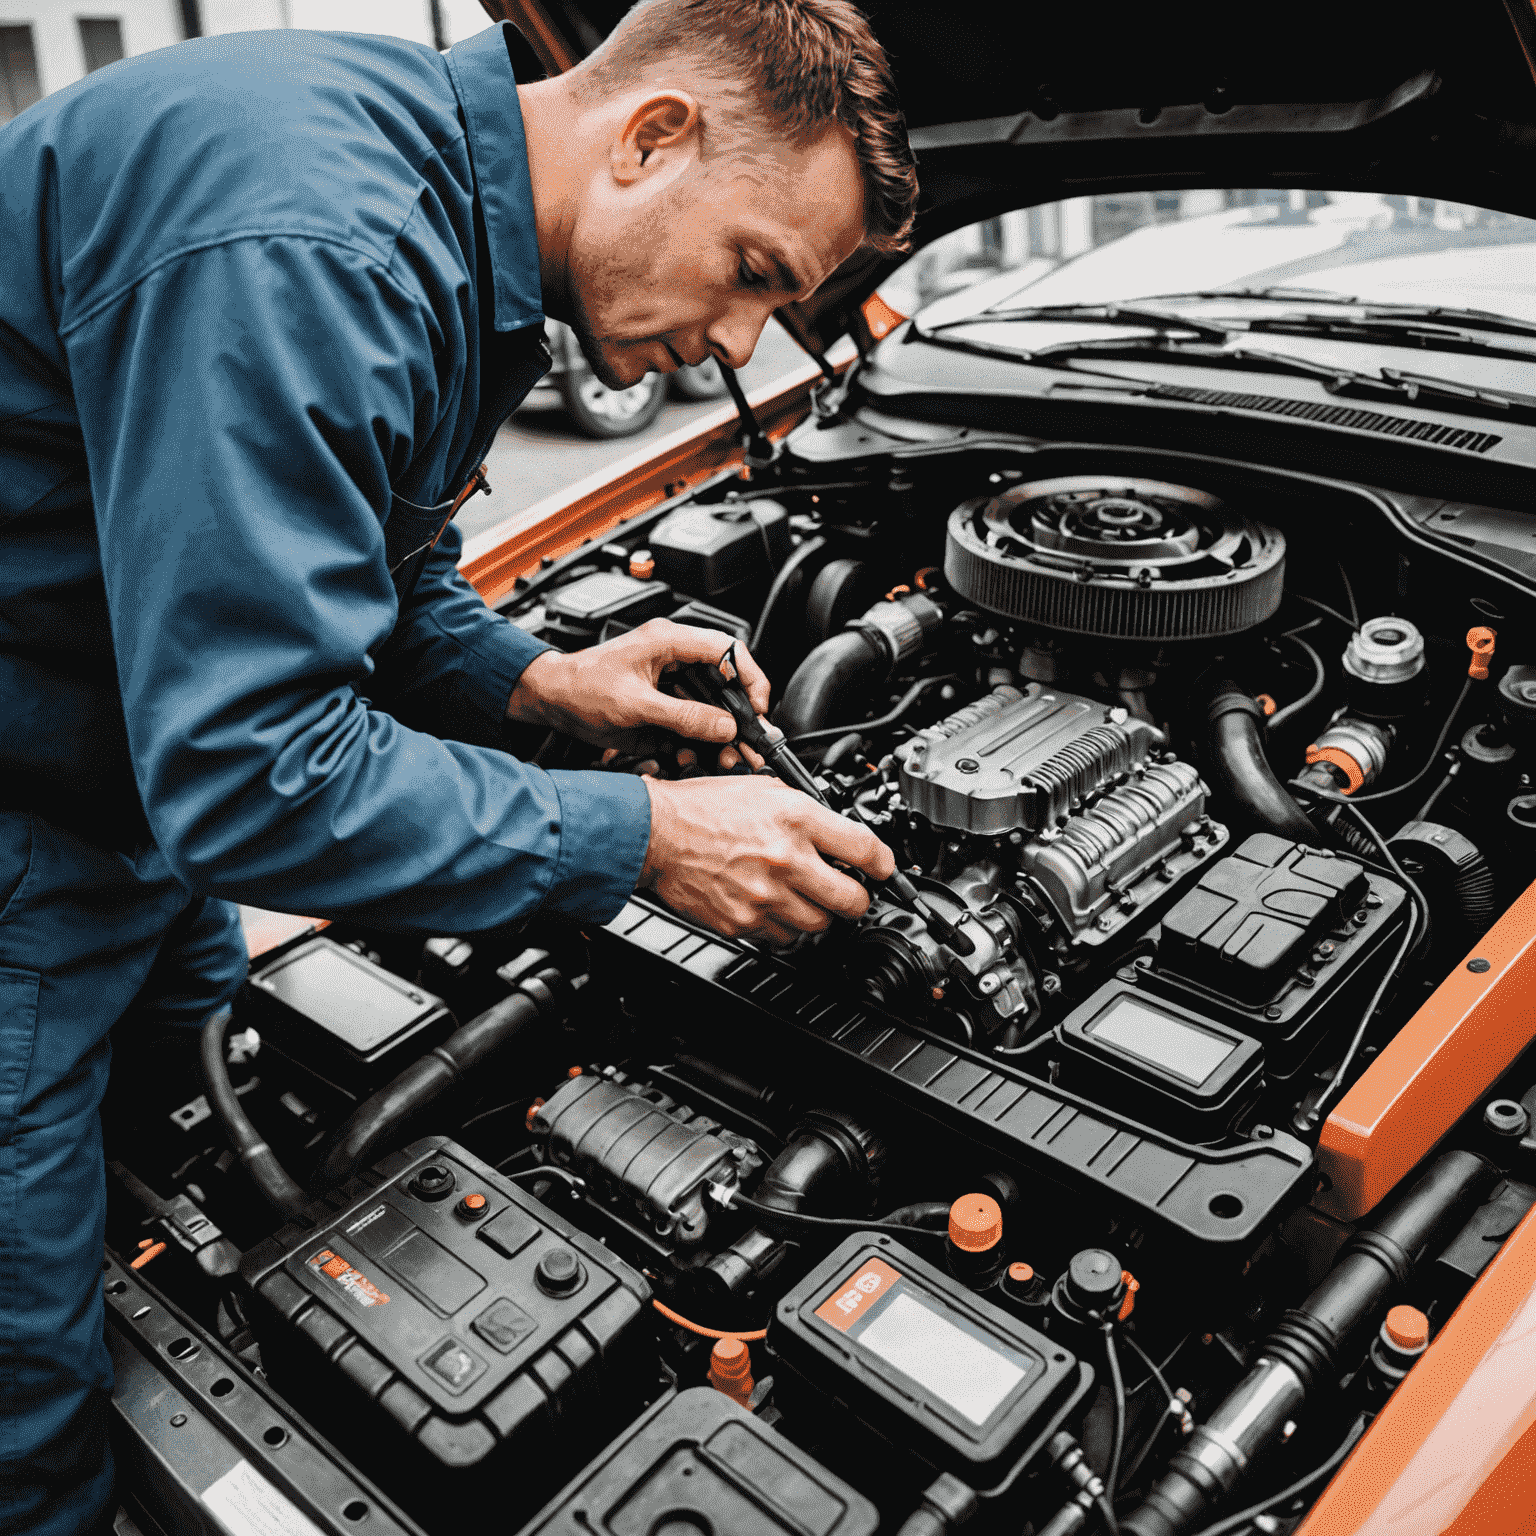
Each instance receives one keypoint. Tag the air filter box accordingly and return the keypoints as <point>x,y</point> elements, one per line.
<point>347,1020</point>
<point>435,1319</point>
<point>699,1463</point>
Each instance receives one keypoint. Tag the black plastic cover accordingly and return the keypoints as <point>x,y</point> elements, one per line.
<point>580,611</point>
<point>1473,1248</point>
<point>697,1463</point>
<point>1276,939</point>
<point>1254,915</point>
<point>923,1360</point>
<point>1160,1062</point>
<point>347,1020</point>
<point>1221,1200</point>
<point>422,1337</point>
<point>706,550</point>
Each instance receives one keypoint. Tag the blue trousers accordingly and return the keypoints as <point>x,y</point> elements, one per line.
<point>88,937</point>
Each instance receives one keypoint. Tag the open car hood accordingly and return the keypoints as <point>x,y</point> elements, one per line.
<point>1010,106</point>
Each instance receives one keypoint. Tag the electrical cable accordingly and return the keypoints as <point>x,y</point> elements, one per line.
<point>1243,1517</point>
<point>892,717</point>
<point>1320,677</point>
<point>1309,1120</point>
<point>786,574</point>
<point>1434,753</point>
<point>1333,613</point>
<point>1422,814</point>
<point>836,1223</point>
<point>545,1171</point>
<point>751,1336</point>
<point>1117,1444</point>
<point>1349,593</point>
<point>1154,1373</point>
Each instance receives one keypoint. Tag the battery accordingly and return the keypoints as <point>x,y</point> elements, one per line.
<point>436,1320</point>
<point>925,1362</point>
<point>350,1022</point>
<point>698,1463</point>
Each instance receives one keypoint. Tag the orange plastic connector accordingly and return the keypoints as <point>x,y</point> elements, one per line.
<point>1440,1063</point>
<point>1352,771</point>
<point>1266,702</point>
<point>879,316</point>
<point>1132,1285</point>
<point>152,1250</point>
<point>533,1109</point>
<point>1480,642</point>
<point>642,565</point>
<point>975,1223</point>
<point>730,1370</point>
<point>573,1071</point>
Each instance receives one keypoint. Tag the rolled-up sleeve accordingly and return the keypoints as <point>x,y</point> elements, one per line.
<point>246,408</point>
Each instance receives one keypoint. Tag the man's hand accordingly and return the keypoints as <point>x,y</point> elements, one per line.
<point>745,857</point>
<point>608,695</point>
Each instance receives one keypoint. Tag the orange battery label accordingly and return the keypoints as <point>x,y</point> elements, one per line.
<point>853,1299</point>
<point>354,1282</point>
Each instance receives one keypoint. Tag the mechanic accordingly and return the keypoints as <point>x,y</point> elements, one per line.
<point>264,301</point>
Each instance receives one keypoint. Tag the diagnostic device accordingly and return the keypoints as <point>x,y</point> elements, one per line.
<point>918,1357</point>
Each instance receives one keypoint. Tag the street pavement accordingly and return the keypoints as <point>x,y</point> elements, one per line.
<point>537,452</point>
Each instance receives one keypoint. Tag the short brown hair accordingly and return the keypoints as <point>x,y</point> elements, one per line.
<point>803,63</point>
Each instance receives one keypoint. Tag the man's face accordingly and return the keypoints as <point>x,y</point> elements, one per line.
<point>670,270</point>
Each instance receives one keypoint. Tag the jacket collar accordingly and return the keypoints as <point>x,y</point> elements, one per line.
<point>485,69</point>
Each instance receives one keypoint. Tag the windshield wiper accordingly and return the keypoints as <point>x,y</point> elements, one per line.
<point>1392,383</point>
<point>1476,319</point>
<point>1103,314</point>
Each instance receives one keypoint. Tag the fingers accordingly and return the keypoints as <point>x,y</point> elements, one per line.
<point>833,894</point>
<point>688,719</point>
<point>672,643</point>
<point>753,679</point>
<point>847,841</point>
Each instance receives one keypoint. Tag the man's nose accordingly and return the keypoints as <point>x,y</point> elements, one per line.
<point>734,337</point>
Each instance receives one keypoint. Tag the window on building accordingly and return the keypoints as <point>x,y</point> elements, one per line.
<point>18,72</point>
<point>101,37</point>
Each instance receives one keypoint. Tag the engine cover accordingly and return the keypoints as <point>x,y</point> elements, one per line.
<point>1017,761</point>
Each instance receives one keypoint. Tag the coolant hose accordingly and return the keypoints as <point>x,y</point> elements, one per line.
<point>391,1110</point>
<point>269,1176</point>
<point>1256,800</point>
<point>833,682</point>
<point>1305,1353</point>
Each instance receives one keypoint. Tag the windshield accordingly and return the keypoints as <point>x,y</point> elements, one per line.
<point>1380,248</point>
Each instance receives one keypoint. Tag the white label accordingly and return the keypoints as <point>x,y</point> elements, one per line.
<point>248,1505</point>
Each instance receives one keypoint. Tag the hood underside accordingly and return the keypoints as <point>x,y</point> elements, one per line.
<point>1009,106</point>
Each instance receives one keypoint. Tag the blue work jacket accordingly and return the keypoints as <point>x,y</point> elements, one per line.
<point>264,301</point>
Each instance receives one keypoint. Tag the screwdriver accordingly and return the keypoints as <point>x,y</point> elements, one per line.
<point>721,686</point>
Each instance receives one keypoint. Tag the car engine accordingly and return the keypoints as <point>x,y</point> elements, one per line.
<point>1004,1211</point>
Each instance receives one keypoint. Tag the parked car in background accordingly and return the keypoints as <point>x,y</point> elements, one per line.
<point>603,412</point>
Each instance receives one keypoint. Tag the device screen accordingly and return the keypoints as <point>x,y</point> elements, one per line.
<point>947,1356</point>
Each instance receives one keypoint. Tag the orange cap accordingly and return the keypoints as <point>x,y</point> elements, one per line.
<point>474,1202</point>
<point>641,565</point>
<point>533,1109</point>
<point>975,1223</point>
<point>1353,773</point>
<point>730,1369</point>
<point>1480,643</point>
<point>1407,1328</point>
<point>1022,1274</point>
<point>573,1071</point>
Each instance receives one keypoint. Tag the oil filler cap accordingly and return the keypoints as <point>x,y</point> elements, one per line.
<point>1093,1279</point>
<point>559,1272</point>
<point>434,1182</point>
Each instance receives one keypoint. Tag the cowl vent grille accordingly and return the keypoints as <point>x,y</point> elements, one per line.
<point>1435,433</point>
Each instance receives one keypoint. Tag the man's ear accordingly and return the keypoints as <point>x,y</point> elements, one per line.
<point>661,133</point>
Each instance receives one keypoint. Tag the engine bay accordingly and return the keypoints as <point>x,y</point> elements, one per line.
<point>1001,1211</point>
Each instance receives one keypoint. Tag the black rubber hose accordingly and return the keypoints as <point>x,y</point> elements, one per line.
<point>270,1177</point>
<point>781,583</point>
<point>390,1111</point>
<point>1304,1355</point>
<point>828,684</point>
<point>1256,801</point>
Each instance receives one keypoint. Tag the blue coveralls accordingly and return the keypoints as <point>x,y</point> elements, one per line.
<point>264,300</point>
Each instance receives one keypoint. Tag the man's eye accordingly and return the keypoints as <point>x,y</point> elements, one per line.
<point>749,278</point>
